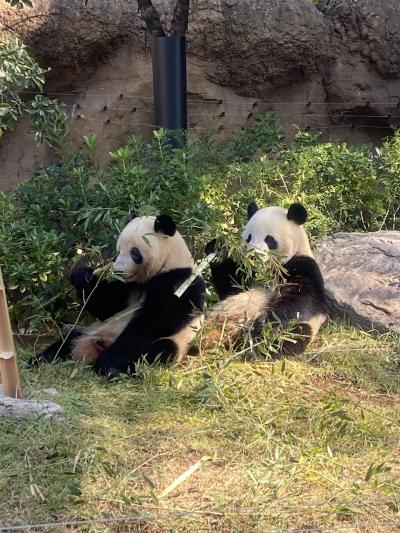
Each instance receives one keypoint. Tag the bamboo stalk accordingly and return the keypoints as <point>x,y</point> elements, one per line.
<point>8,358</point>
<point>183,477</point>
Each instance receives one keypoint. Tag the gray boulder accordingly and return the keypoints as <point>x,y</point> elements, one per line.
<point>30,409</point>
<point>362,277</point>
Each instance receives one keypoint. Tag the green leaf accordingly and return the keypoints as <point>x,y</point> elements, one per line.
<point>370,472</point>
<point>149,481</point>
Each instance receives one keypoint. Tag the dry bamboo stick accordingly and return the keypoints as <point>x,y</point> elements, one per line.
<point>183,477</point>
<point>8,358</point>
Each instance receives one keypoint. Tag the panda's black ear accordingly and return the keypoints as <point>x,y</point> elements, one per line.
<point>297,213</point>
<point>251,209</point>
<point>165,224</point>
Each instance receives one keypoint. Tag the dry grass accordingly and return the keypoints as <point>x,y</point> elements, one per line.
<point>310,443</point>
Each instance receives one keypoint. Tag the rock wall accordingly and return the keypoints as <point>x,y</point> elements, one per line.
<point>334,66</point>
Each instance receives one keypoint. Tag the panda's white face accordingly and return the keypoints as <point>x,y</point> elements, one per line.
<point>147,247</point>
<point>273,229</point>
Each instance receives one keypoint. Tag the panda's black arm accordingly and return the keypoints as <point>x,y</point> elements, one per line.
<point>163,314</point>
<point>226,275</point>
<point>227,278</point>
<point>103,299</point>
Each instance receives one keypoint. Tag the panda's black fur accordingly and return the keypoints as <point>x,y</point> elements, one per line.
<point>140,318</point>
<point>299,301</point>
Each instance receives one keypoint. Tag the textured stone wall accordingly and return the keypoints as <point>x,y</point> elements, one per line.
<point>334,66</point>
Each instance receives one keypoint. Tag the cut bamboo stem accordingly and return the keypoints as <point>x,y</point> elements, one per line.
<point>183,477</point>
<point>8,358</point>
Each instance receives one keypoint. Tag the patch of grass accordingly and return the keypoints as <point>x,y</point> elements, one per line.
<point>296,443</point>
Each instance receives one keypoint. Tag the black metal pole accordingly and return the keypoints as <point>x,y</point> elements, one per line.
<point>169,83</point>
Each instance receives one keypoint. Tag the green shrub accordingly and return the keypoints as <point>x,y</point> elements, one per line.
<point>73,211</point>
<point>342,182</point>
<point>388,164</point>
<point>20,72</point>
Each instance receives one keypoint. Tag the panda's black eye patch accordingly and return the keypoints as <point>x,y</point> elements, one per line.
<point>271,242</point>
<point>248,238</point>
<point>136,256</point>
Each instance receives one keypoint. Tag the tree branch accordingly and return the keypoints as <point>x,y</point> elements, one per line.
<point>151,18</point>
<point>180,18</point>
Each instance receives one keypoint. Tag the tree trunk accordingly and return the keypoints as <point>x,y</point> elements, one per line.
<point>180,18</point>
<point>151,18</point>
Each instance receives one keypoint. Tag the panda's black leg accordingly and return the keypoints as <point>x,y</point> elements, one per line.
<point>162,351</point>
<point>298,337</point>
<point>301,337</point>
<point>60,350</point>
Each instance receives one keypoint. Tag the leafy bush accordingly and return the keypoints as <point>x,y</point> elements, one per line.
<point>343,182</point>
<point>20,72</point>
<point>73,211</point>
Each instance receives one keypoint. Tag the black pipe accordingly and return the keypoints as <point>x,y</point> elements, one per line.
<point>169,82</point>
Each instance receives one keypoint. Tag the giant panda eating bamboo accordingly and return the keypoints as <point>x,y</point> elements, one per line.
<point>299,301</point>
<point>142,317</point>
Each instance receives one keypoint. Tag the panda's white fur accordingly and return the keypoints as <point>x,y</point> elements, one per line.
<point>160,253</point>
<point>237,312</point>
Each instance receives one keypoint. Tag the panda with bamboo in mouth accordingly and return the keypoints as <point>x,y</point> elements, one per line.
<point>141,317</point>
<point>298,302</point>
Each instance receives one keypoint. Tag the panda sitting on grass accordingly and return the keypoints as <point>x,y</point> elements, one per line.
<point>142,319</point>
<point>298,303</point>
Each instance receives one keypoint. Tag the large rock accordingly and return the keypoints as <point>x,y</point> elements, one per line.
<point>362,277</point>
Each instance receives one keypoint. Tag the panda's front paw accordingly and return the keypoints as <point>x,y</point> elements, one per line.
<point>210,247</point>
<point>49,355</point>
<point>222,252</point>
<point>36,360</point>
<point>81,276</point>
